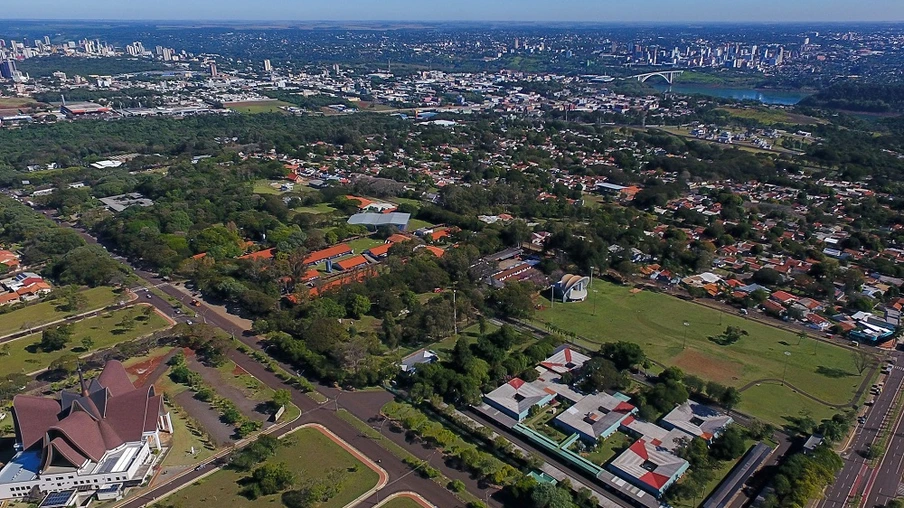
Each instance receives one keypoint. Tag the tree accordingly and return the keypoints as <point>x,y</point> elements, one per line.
<point>55,338</point>
<point>5,350</point>
<point>67,364</point>
<point>547,495</point>
<point>767,277</point>
<point>357,306</point>
<point>731,335</point>
<point>729,445</point>
<point>862,360</point>
<point>730,398</point>
<point>127,322</point>
<point>515,300</point>
<point>624,355</point>
<point>269,479</point>
<point>600,374</point>
<point>89,265</point>
<point>281,398</point>
<point>87,343</point>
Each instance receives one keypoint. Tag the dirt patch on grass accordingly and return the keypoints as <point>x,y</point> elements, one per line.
<point>708,367</point>
<point>238,371</point>
<point>143,371</point>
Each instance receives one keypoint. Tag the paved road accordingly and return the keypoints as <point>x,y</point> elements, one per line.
<point>872,487</point>
<point>401,477</point>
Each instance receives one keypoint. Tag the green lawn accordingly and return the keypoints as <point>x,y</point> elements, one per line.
<point>104,330</point>
<point>252,388</point>
<point>185,437</point>
<point>319,208</point>
<point>362,244</point>
<point>415,224</point>
<point>407,201</point>
<point>263,187</point>
<point>401,502</point>
<point>655,322</point>
<point>310,455</point>
<point>607,450</point>
<point>762,402</point>
<point>46,312</point>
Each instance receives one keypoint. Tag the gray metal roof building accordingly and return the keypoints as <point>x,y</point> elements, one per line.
<point>374,220</point>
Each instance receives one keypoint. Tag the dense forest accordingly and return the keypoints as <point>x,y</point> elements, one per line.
<point>862,97</point>
<point>71,143</point>
<point>45,66</point>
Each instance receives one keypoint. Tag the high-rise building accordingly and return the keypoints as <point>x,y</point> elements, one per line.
<point>8,69</point>
<point>213,69</point>
<point>267,66</point>
<point>47,40</point>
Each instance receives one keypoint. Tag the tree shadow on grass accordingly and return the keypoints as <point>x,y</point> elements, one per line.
<point>833,372</point>
<point>118,331</point>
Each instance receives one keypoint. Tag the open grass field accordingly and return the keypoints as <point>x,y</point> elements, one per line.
<point>104,330</point>
<point>771,116</point>
<point>415,224</point>
<point>257,107</point>
<point>308,453</point>
<point>266,187</point>
<point>655,322</point>
<point>46,312</point>
<point>16,102</point>
<point>319,208</point>
<point>362,244</point>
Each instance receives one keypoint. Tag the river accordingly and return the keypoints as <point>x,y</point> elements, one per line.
<point>779,97</point>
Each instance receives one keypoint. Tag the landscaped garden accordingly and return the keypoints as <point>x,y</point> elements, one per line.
<point>42,313</point>
<point>331,472</point>
<point>35,352</point>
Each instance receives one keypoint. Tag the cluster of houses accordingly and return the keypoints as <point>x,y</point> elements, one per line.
<point>650,463</point>
<point>734,264</point>
<point>867,327</point>
<point>20,286</point>
<point>510,265</point>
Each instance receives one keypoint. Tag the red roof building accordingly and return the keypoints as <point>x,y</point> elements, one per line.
<point>261,254</point>
<point>328,253</point>
<point>352,263</point>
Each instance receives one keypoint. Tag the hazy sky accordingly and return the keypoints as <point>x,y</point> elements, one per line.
<point>431,10</point>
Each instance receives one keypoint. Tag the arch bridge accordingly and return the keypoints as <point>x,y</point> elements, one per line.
<point>669,76</point>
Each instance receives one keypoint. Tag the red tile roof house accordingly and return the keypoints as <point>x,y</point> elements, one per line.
<point>783,297</point>
<point>85,440</point>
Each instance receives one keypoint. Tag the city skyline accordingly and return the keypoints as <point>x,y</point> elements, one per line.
<point>692,11</point>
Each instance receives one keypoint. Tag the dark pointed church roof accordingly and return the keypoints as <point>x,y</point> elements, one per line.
<point>81,427</point>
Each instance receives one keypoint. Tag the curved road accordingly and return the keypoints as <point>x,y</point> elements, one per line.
<point>402,478</point>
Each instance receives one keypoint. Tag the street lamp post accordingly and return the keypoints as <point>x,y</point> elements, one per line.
<point>594,301</point>
<point>686,325</point>
<point>785,370</point>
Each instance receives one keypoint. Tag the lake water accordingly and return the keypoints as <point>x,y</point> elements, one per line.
<point>765,96</point>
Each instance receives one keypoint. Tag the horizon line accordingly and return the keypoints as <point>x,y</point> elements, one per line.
<point>540,22</point>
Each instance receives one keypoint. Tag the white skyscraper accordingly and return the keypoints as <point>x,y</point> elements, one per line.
<point>267,66</point>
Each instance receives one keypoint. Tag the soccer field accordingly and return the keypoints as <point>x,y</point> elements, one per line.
<point>656,322</point>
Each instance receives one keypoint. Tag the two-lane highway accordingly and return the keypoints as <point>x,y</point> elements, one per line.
<point>857,480</point>
<point>401,477</point>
